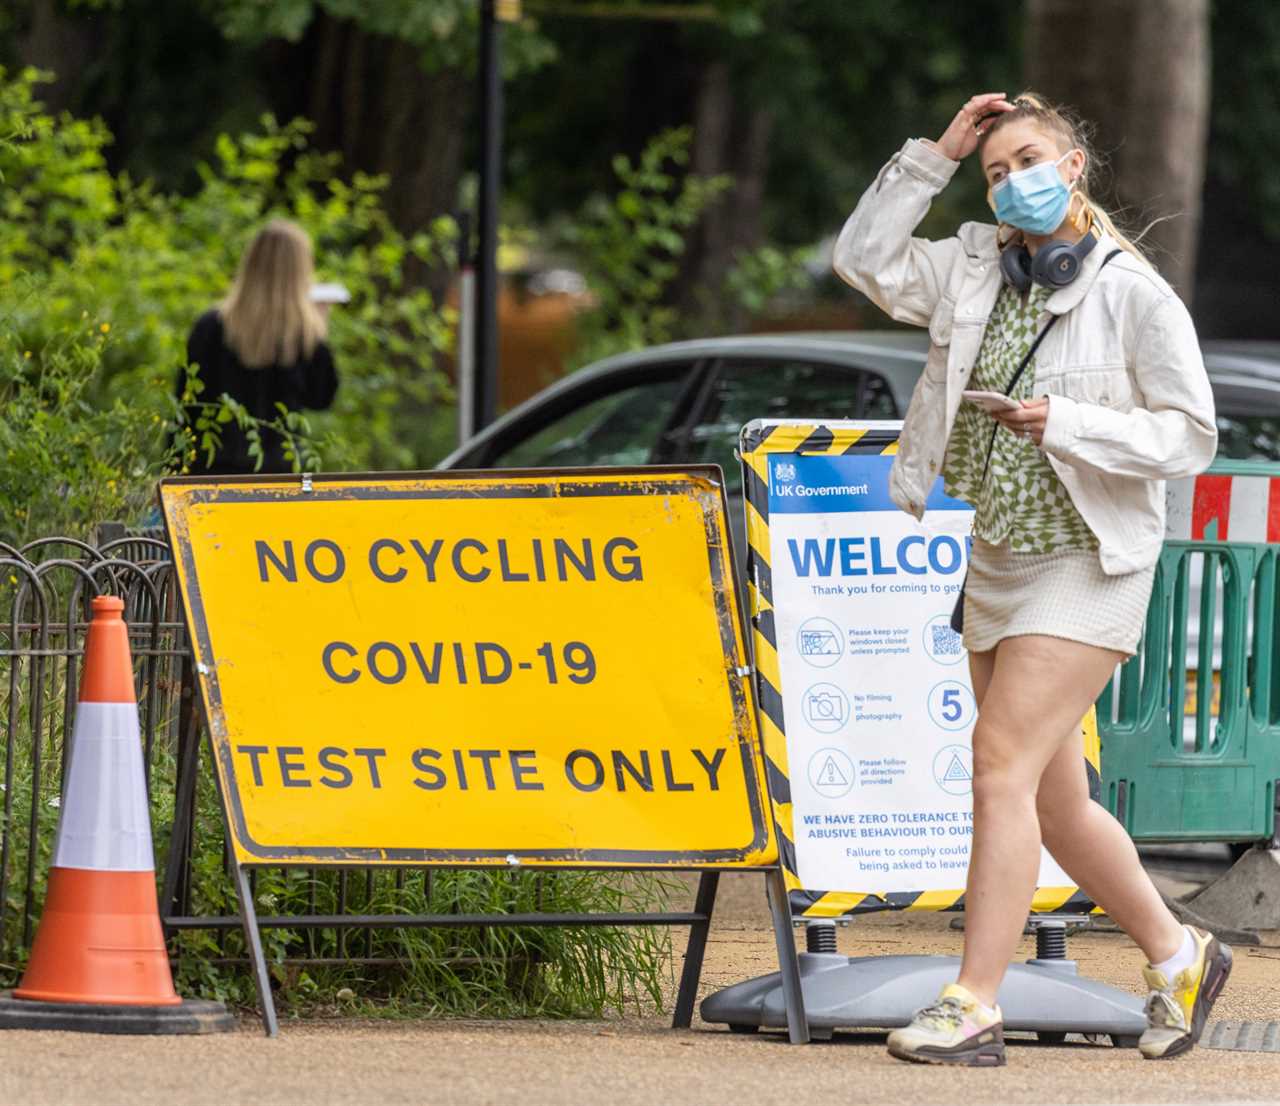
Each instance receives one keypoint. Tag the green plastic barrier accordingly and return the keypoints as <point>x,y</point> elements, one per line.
<point>1190,729</point>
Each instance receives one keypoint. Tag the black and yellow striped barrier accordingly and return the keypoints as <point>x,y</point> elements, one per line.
<point>760,440</point>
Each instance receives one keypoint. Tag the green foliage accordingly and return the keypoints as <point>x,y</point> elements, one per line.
<point>495,971</point>
<point>760,276</point>
<point>843,83</point>
<point>66,459</point>
<point>446,31</point>
<point>1245,131</point>
<point>631,244</point>
<point>55,186</point>
<point>146,263</point>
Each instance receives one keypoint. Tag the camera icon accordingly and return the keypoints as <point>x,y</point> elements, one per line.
<point>825,708</point>
<point>824,705</point>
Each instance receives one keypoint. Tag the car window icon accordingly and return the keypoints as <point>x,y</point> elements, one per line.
<point>820,642</point>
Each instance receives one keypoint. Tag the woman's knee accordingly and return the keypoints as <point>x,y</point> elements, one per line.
<point>1000,779</point>
<point>1059,815</point>
<point>997,791</point>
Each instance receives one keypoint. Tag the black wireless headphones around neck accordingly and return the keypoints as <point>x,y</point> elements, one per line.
<point>1055,264</point>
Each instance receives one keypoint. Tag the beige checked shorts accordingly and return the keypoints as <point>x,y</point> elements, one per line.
<point>1063,595</point>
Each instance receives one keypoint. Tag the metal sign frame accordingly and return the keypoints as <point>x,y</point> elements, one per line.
<point>760,440</point>
<point>733,636</point>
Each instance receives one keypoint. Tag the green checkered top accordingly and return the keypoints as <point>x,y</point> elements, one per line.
<point>1022,501</point>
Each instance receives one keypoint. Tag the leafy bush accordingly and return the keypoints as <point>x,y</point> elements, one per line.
<point>85,245</point>
<point>66,457</point>
<point>630,246</point>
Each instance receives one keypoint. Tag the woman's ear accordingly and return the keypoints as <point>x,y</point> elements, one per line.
<point>1075,166</point>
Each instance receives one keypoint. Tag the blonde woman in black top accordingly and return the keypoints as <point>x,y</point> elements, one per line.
<point>264,347</point>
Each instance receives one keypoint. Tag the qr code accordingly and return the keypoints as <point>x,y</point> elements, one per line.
<point>946,642</point>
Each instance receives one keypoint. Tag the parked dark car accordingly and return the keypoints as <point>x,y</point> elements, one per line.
<point>686,402</point>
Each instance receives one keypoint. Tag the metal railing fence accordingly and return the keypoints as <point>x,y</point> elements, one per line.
<point>45,590</point>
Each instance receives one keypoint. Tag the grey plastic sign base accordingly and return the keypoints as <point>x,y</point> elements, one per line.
<point>193,1015</point>
<point>1047,997</point>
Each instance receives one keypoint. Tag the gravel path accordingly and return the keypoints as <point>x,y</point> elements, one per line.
<point>640,1060</point>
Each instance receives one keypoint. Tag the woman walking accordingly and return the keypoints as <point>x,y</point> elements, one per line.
<point>264,346</point>
<point>1055,308</point>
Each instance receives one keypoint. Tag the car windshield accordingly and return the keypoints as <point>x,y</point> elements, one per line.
<point>1249,437</point>
<point>620,428</point>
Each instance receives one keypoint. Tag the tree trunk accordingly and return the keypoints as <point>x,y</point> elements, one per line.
<point>64,44</point>
<point>728,137</point>
<point>372,101</point>
<point>1138,70</point>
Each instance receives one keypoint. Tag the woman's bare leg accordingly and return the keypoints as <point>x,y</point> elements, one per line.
<point>1039,689</point>
<point>1099,856</point>
<point>981,665</point>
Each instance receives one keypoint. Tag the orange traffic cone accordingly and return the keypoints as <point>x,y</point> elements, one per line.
<point>99,940</point>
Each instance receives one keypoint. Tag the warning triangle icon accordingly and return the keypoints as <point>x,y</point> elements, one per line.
<point>830,775</point>
<point>956,771</point>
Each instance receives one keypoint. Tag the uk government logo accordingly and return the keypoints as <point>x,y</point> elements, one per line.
<point>785,471</point>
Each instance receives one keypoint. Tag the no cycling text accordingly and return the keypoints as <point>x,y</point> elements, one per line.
<point>470,560</point>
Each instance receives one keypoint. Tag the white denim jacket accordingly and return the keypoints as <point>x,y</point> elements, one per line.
<point>1130,404</point>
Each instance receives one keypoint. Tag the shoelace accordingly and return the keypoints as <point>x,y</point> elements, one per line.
<point>945,1014</point>
<point>1163,1009</point>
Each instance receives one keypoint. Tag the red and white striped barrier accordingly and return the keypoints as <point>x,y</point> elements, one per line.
<point>1224,508</point>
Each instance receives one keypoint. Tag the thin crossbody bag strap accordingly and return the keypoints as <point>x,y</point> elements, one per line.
<point>1022,367</point>
<point>957,615</point>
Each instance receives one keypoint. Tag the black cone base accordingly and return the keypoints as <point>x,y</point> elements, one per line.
<point>194,1015</point>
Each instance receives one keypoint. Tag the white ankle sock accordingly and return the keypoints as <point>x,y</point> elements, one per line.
<point>1180,960</point>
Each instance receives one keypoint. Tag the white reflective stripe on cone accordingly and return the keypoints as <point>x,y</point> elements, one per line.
<point>105,824</point>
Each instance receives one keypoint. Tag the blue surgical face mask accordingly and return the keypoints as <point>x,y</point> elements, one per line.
<point>1034,199</point>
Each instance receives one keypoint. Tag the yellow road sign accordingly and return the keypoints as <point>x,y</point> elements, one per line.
<point>474,669</point>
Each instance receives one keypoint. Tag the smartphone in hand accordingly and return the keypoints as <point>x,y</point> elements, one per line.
<point>991,402</point>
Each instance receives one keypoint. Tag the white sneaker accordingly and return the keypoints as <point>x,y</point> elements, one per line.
<point>956,1029</point>
<point>1177,1009</point>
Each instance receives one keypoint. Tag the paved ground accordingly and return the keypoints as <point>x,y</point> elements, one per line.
<point>634,1060</point>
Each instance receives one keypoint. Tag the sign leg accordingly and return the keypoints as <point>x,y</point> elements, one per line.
<point>788,961</point>
<point>688,993</point>
<point>253,939</point>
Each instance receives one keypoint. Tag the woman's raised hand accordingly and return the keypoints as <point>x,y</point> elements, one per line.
<point>960,139</point>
